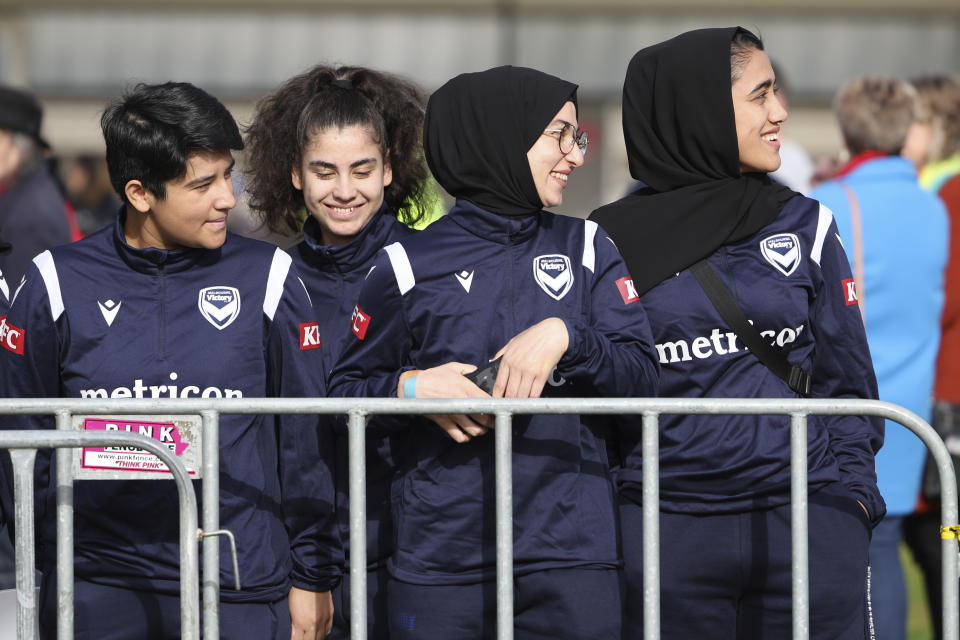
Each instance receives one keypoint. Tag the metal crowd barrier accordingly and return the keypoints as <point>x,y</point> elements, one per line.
<point>23,447</point>
<point>360,409</point>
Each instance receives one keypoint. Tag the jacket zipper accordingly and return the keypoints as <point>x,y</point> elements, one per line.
<point>510,288</point>
<point>163,322</point>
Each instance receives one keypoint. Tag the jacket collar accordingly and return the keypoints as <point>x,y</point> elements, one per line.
<point>153,260</point>
<point>493,227</point>
<point>354,254</point>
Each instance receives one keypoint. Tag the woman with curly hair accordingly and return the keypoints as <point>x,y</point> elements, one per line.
<point>345,144</point>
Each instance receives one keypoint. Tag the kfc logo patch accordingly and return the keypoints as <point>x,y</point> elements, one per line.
<point>627,291</point>
<point>309,336</point>
<point>11,337</point>
<point>359,322</point>
<point>850,291</point>
<point>220,306</point>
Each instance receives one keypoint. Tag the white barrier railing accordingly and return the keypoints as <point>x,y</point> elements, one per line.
<point>360,409</point>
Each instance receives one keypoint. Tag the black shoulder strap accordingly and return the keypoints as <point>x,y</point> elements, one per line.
<point>730,311</point>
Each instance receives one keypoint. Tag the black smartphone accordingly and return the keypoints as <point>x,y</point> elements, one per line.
<point>485,375</point>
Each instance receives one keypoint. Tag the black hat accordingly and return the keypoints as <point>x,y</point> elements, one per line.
<point>20,111</point>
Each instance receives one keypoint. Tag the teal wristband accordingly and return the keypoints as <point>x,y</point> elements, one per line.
<point>410,387</point>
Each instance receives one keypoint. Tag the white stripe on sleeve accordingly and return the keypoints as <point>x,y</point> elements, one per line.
<point>401,267</point>
<point>823,225</point>
<point>589,253</point>
<point>48,270</point>
<point>278,275</point>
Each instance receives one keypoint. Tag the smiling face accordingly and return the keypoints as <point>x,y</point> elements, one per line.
<point>193,211</point>
<point>758,113</point>
<point>342,175</point>
<point>549,166</point>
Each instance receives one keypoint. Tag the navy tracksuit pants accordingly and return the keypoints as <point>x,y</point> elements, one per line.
<point>558,604</point>
<point>728,576</point>
<point>376,607</point>
<point>112,613</point>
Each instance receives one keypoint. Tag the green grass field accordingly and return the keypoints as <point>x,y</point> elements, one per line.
<point>918,614</point>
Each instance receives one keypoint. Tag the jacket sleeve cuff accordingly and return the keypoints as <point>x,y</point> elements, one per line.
<point>574,344</point>
<point>316,585</point>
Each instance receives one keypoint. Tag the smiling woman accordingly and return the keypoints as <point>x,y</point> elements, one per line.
<point>167,303</point>
<point>702,123</point>
<point>342,175</point>
<point>193,210</point>
<point>758,112</point>
<point>503,142</point>
<point>344,144</point>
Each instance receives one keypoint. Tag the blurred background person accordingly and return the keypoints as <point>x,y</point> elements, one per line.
<point>33,213</point>
<point>895,234</point>
<point>33,217</point>
<point>942,95</point>
<point>87,184</point>
<point>941,175</point>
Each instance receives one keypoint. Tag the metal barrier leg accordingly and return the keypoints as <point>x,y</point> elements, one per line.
<point>23,499</point>
<point>211,522</point>
<point>798,526</point>
<point>948,544</point>
<point>651,526</point>
<point>65,583</point>
<point>949,567</point>
<point>503,435</point>
<point>358,525</point>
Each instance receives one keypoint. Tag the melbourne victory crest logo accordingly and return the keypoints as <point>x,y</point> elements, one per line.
<point>220,306</point>
<point>553,274</point>
<point>782,251</point>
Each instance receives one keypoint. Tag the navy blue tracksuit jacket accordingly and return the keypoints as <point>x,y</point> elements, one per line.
<point>333,276</point>
<point>458,292</point>
<point>99,318</point>
<point>793,281</point>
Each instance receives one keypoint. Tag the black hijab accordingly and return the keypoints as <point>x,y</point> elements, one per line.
<point>478,129</point>
<point>681,138</point>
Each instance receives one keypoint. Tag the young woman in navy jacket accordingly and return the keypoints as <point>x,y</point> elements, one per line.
<point>549,296</point>
<point>336,153</point>
<point>702,122</point>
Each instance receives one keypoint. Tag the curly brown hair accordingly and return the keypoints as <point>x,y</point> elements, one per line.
<point>391,107</point>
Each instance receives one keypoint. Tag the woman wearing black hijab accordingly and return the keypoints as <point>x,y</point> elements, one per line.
<point>702,123</point>
<point>550,297</point>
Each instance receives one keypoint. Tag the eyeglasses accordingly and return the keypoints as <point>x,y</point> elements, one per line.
<point>568,137</point>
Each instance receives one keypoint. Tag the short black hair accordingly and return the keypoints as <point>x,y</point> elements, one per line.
<point>151,131</point>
